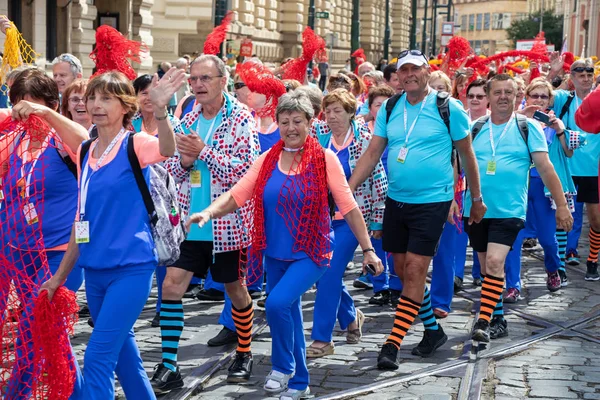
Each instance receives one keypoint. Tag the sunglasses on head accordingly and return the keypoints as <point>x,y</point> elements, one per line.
<point>405,53</point>
<point>583,69</point>
<point>239,85</point>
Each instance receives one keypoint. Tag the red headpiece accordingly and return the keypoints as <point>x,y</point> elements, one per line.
<point>260,79</point>
<point>569,59</point>
<point>213,41</point>
<point>539,45</point>
<point>359,58</point>
<point>458,51</point>
<point>312,45</point>
<point>114,52</point>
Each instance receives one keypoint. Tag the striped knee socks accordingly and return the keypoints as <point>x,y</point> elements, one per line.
<point>171,326</point>
<point>499,309</point>
<point>491,293</point>
<point>406,312</point>
<point>594,245</point>
<point>561,238</point>
<point>426,312</point>
<point>243,325</point>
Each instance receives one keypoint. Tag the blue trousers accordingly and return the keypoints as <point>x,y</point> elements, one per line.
<point>116,298</point>
<point>333,300</point>
<point>27,283</point>
<point>388,278</point>
<point>451,253</point>
<point>161,273</point>
<point>575,233</point>
<point>288,281</point>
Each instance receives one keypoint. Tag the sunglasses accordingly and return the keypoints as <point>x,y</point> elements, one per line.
<point>476,96</point>
<point>239,85</point>
<point>417,53</point>
<point>539,96</point>
<point>583,69</point>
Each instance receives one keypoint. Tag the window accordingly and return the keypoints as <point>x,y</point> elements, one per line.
<point>479,22</point>
<point>486,21</point>
<point>471,22</point>
<point>501,20</point>
<point>477,47</point>
<point>463,23</point>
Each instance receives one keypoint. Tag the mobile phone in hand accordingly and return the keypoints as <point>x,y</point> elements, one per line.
<point>542,117</point>
<point>371,269</point>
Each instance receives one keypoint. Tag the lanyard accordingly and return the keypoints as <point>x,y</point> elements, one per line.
<point>494,145</point>
<point>85,179</point>
<point>409,131</point>
<point>210,129</point>
<point>34,160</point>
<point>335,151</point>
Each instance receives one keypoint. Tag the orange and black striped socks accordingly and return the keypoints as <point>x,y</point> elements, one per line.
<point>243,325</point>
<point>594,245</point>
<point>406,312</point>
<point>491,291</point>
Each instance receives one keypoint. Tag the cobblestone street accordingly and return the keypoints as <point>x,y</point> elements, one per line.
<point>552,351</point>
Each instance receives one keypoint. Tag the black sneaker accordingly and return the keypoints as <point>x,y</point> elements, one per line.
<point>458,284</point>
<point>191,291</point>
<point>432,340</point>
<point>84,312</point>
<point>592,271</point>
<point>394,298</point>
<point>388,357</point>
<point>91,322</point>
<point>210,295</point>
<point>226,336</point>
<point>564,281</point>
<point>241,368</point>
<point>380,298</point>
<point>498,327</point>
<point>255,294</point>
<point>481,331</point>
<point>529,243</point>
<point>164,380</point>
<point>156,321</point>
<point>477,282</point>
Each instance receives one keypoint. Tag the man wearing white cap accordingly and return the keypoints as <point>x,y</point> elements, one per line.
<point>421,191</point>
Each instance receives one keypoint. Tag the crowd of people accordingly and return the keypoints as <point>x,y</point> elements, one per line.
<point>278,182</point>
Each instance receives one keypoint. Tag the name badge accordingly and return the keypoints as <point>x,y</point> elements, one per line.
<point>30,214</point>
<point>402,154</point>
<point>195,178</point>
<point>82,232</point>
<point>491,168</point>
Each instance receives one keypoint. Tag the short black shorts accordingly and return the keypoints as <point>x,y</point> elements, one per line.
<point>587,189</point>
<point>414,228</point>
<point>196,256</point>
<point>493,230</point>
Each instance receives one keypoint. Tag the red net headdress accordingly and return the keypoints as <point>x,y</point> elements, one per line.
<point>359,58</point>
<point>36,355</point>
<point>260,79</point>
<point>569,59</point>
<point>459,50</point>
<point>312,45</point>
<point>114,52</point>
<point>212,44</point>
<point>303,205</point>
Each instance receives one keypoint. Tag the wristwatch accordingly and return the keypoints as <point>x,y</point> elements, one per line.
<point>369,249</point>
<point>477,199</point>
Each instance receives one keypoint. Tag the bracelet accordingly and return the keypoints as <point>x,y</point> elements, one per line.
<point>161,118</point>
<point>560,134</point>
<point>369,249</point>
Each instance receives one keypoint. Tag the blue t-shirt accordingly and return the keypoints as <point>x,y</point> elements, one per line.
<point>426,176</point>
<point>268,140</point>
<point>505,193</point>
<point>201,196</point>
<point>585,159</point>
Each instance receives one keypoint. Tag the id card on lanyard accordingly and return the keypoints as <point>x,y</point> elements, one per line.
<point>491,165</point>
<point>24,182</point>
<point>195,174</point>
<point>403,153</point>
<point>82,227</point>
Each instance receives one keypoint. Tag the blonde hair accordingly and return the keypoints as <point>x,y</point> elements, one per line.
<point>443,77</point>
<point>540,83</point>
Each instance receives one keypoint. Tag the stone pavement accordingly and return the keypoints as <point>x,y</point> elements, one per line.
<point>557,355</point>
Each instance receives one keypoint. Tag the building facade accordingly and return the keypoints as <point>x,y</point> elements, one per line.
<point>581,27</point>
<point>172,28</point>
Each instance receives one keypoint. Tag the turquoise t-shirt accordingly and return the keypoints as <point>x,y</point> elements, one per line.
<point>505,193</point>
<point>585,159</point>
<point>426,176</point>
<point>201,196</point>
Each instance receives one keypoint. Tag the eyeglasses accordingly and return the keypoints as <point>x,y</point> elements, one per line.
<point>583,69</point>
<point>539,96</point>
<point>239,85</point>
<point>203,78</point>
<point>76,100</point>
<point>476,96</point>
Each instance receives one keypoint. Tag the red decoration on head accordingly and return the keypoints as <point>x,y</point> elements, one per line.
<point>569,59</point>
<point>360,57</point>
<point>114,52</point>
<point>459,50</point>
<point>212,44</point>
<point>312,45</point>
<point>260,79</point>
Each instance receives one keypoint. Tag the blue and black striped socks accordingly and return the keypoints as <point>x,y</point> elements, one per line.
<point>499,309</point>
<point>171,326</point>
<point>561,238</point>
<point>426,312</point>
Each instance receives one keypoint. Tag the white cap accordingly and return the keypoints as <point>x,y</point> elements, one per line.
<point>412,59</point>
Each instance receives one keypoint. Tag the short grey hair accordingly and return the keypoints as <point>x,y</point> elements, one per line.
<point>219,64</point>
<point>296,101</point>
<point>582,62</point>
<point>181,62</point>
<point>362,67</point>
<point>314,95</point>
<point>73,61</point>
<point>377,76</point>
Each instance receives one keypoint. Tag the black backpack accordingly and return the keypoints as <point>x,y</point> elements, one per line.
<point>521,123</point>
<point>565,110</point>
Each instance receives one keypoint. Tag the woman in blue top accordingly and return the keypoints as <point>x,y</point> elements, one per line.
<point>35,175</point>
<point>112,236</point>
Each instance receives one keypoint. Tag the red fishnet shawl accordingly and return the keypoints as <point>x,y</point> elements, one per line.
<point>114,52</point>
<point>312,45</point>
<point>212,44</point>
<point>311,229</point>
<point>260,79</point>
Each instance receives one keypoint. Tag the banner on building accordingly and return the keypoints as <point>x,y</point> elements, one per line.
<point>246,48</point>
<point>528,45</point>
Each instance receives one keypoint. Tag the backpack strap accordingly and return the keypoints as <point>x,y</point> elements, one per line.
<point>68,162</point>
<point>186,102</point>
<point>389,106</point>
<point>478,125</point>
<point>524,131</point>
<point>443,105</point>
<point>567,105</point>
<point>85,147</point>
<point>140,180</point>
